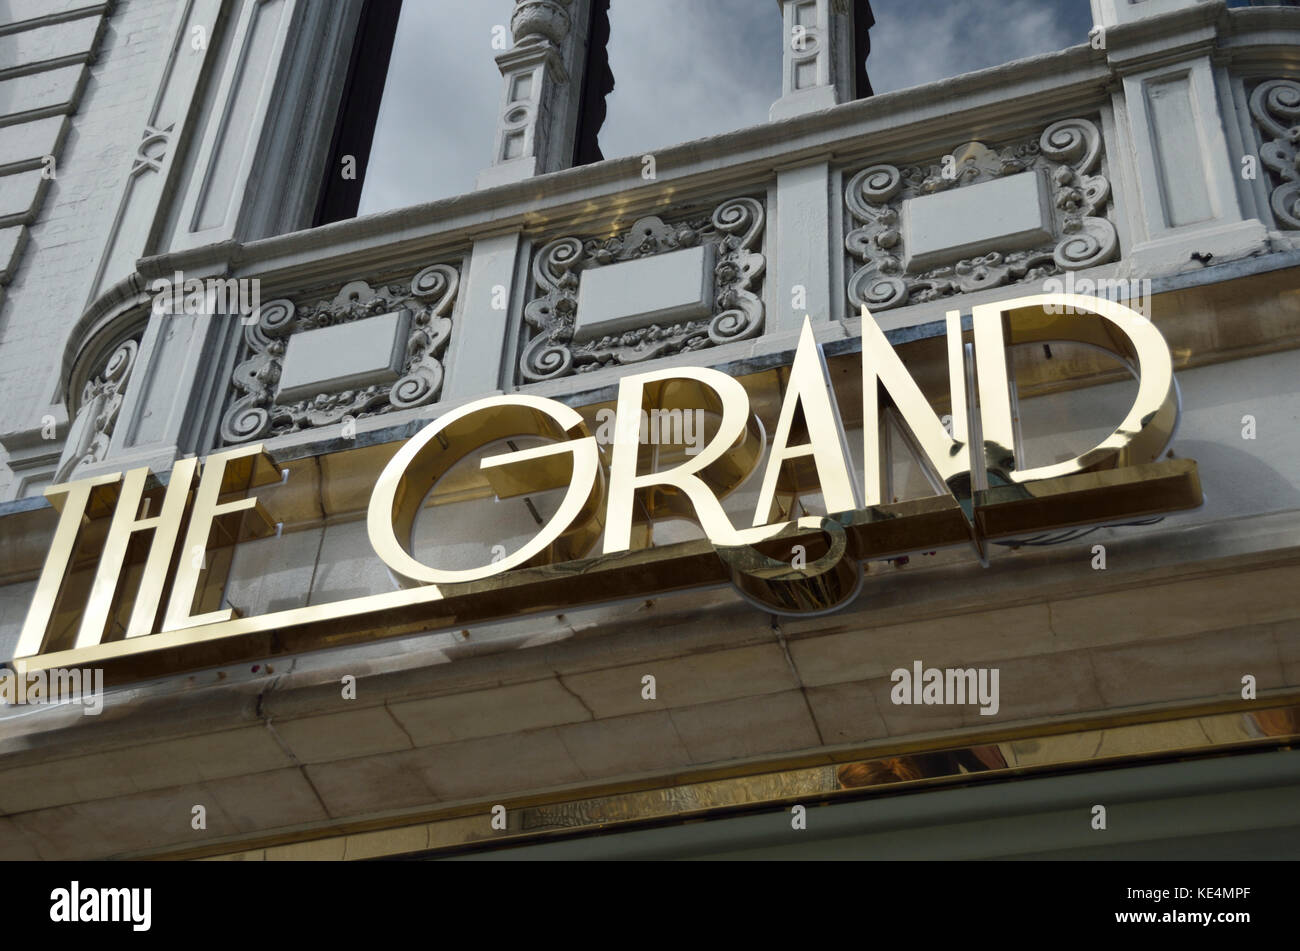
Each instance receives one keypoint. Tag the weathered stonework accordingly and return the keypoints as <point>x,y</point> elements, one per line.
<point>260,410</point>
<point>1068,156</point>
<point>734,231</point>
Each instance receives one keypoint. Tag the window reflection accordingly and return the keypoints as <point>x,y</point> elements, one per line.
<point>902,769</point>
<point>438,114</point>
<point>683,70</point>
<point>914,43</point>
<point>686,69</point>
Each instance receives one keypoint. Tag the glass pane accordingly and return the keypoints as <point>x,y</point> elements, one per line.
<point>438,114</point>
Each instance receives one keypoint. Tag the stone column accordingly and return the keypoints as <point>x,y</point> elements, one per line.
<point>542,98</point>
<point>817,65</point>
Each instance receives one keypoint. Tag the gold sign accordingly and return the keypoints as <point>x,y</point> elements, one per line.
<point>174,618</point>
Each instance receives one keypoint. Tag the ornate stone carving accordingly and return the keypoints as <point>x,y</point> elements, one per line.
<point>735,228</point>
<point>538,21</point>
<point>1068,152</point>
<point>97,412</point>
<point>256,412</point>
<point>1275,106</point>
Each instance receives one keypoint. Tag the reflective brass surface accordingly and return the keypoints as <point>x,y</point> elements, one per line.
<point>879,532</point>
<point>802,565</point>
<point>71,499</point>
<point>695,485</point>
<point>823,581</point>
<point>1110,495</point>
<point>808,393</point>
<point>408,479</point>
<point>251,468</point>
<point>165,526</point>
<point>883,375</point>
<point>1107,325</point>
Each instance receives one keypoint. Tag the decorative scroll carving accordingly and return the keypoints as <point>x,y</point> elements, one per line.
<point>101,402</point>
<point>257,413</point>
<point>1069,152</point>
<point>735,228</point>
<point>1275,106</point>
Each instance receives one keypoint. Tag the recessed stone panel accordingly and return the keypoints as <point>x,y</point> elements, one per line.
<point>1005,214</point>
<point>344,357</point>
<point>663,288</point>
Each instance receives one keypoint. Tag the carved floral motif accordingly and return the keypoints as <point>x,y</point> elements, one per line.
<point>1069,152</point>
<point>1275,106</point>
<point>735,228</point>
<point>257,413</point>
<point>101,403</point>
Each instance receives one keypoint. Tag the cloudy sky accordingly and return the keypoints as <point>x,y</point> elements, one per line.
<point>683,69</point>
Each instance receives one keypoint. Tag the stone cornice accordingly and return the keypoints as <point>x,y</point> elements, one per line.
<point>1169,37</point>
<point>1265,39</point>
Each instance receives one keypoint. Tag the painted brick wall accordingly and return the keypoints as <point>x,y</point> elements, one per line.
<point>53,275</point>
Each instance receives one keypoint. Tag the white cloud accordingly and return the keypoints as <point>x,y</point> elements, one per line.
<point>685,69</point>
<point>919,41</point>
